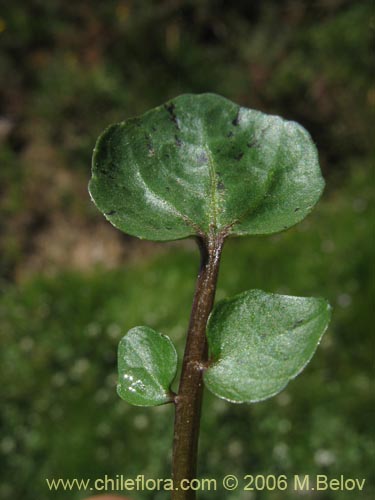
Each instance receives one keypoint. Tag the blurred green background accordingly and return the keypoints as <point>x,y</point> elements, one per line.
<point>72,284</point>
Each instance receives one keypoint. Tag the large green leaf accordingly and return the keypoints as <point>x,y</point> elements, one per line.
<point>147,364</point>
<point>201,164</point>
<point>259,341</point>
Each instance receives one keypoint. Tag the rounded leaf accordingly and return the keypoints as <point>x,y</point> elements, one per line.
<point>259,341</point>
<point>202,164</point>
<point>147,364</point>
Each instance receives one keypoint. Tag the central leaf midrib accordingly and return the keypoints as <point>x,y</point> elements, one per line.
<point>214,206</point>
<point>213,180</point>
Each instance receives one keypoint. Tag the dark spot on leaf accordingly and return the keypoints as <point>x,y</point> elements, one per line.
<point>153,128</point>
<point>150,146</point>
<point>202,158</point>
<point>220,186</point>
<point>236,119</point>
<point>107,173</point>
<point>230,134</point>
<point>263,132</point>
<point>167,188</point>
<point>178,141</point>
<point>255,141</point>
<point>298,323</point>
<point>252,144</point>
<point>112,212</point>
<point>171,109</point>
<point>239,156</point>
<point>296,209</point>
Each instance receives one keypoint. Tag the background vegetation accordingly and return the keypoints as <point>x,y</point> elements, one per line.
<point>72,285</point>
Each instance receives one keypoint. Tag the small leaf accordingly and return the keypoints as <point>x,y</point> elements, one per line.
<point>202,164</point>
<point>147,364</point>
<point>260,341</point>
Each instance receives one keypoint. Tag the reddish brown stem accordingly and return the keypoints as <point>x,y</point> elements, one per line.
<point>189,398</point>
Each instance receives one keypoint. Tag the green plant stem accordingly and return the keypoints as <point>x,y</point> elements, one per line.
<point>188,401</point>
